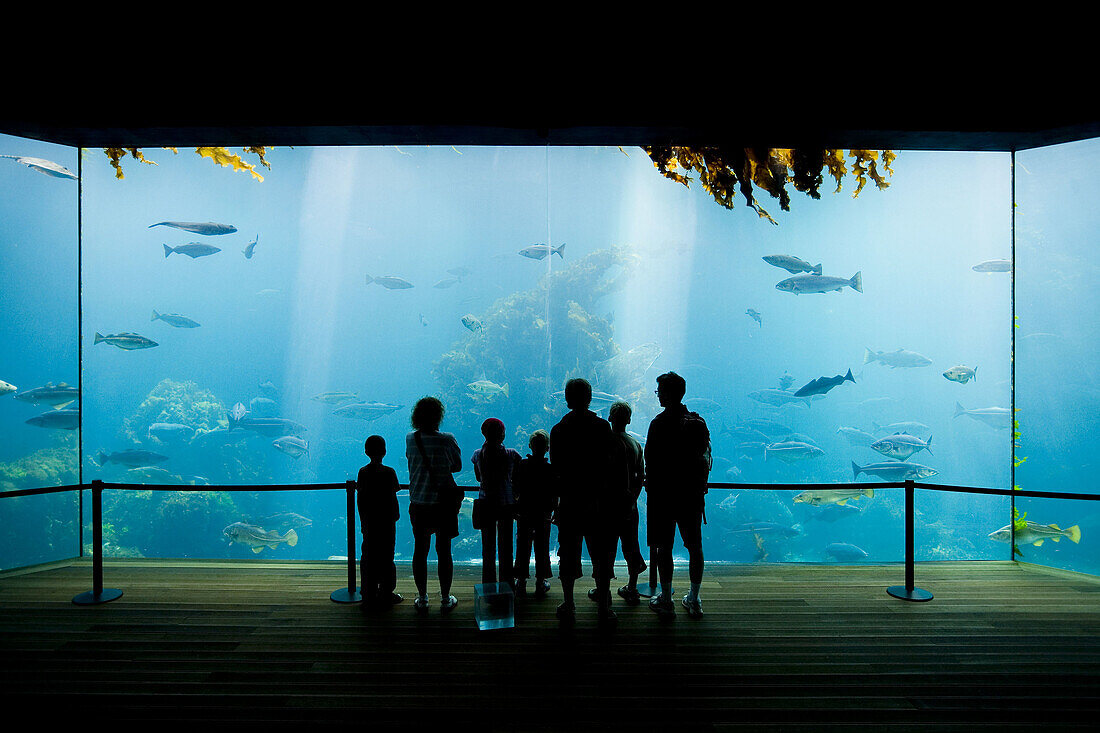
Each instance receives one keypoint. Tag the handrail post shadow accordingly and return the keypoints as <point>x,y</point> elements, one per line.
<point>350,594</point>
<point>98,594</point>
<point>908,592</point>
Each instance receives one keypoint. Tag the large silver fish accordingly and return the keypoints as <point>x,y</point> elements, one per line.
<point>125,340</point>
<point>175,320</point>
<point>1035,534</point>
<point>856,437</point>
<point>42,165</point>
<point>994,417</point>
<point>993,266</point>
<point>961,374</point>
<point>257,538</point>
<point>60,395</point>
<point>894,471</point>
<point>845,552</point>
<point>390,282</point>
<point>901,445</point>
<point>820,283</point>
<point>133,458</point>
<point>540,251</point>
<point>487,388</point>
<point>792,264</point>
<point>335,398</point>
<point>790,451</point>
<point>895,359</point>
<point>168,431</point>
<point>57,420</point>
<point>824,497</point>
<point>192,250</point>
<point>6,388</point>
<point>208,228</point>
<point>366,410</point>
<point>292,445</point>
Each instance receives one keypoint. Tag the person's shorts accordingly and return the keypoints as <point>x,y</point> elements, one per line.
<point>663,516</point>
<point>438,519</point>
<point>601,550</point>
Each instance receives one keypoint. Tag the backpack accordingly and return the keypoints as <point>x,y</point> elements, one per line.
<point>695,442</point>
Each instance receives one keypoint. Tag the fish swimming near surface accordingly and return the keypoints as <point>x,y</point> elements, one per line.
<point>792,264</point>
<point>250,248</point>
<point>257,538</point>
<point>821,385</point>
<point>126,341</point>
<point>170,431</point>
<point>6,388</point>
<point>777,397</point>
<point>192,249</point>
<point>47,167</point>
<point>995,417</point>
<point>845,552</point>
<point>487,388</point>
<point>61,419</point>
<point>961,374</point>
<point>132,458</point>
<point>540,251</point>
<point>894,470</point>
<point>292,445</point>
<point>472,323</point>
<point>993,266</point>
<point>790,451</point>
<point>335,398</point>
<point>175,320</point>
<point>820,284</point>
<point>823,497</point>
<point>208,228</point>
<point>895,359</point>
<point>446,283</point>
<point>58,396</point>
<point>1036,534</point>
<point>900,446</point>
<point>390,282</point>
<point>366,410</point>
<point>856,437</point>
<point>755,315</point>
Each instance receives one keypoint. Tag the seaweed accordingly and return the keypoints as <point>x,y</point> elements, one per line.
<point>220,155</point>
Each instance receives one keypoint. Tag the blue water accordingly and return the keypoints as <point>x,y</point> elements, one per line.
<point>654,277</point>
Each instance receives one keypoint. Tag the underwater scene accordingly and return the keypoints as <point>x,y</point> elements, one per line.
<point>247,331</point>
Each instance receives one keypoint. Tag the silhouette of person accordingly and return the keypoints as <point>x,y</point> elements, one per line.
<point>629,474</point>
<point>434,499</point>
<point>376,498</point>
<point>494,466</point>
<point>580,451</point>
<point>677,461</point>
<point>535,488</point>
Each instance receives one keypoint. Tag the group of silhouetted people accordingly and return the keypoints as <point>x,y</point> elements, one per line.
<point>585,476</point>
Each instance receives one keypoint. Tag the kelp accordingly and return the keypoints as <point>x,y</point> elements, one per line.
<point>724,172</point>
<point>220,155</point>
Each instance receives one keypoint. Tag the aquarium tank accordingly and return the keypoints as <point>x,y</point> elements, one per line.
<point>253,324</point>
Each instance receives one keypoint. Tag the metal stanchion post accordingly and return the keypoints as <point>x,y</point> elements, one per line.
<point>98,594</point>
<point>908,592</point>
<point>350,594</point>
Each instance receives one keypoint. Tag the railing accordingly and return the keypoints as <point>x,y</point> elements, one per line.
<point>909,592</point>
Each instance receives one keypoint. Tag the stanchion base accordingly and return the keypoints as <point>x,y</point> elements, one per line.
<point>649,590</point>
<point>89,598</point>
<point>343,596</point>
<point>909,594</point>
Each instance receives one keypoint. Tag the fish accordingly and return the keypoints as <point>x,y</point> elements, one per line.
<point>250,248</point>
<point>786,380</point>
<point>262,406</point>
<point>238,412</point>
<point>335,398</point>
<point>824,497</point>
<point>292,445</point>
<point>845,552</point>
<point>58,419</point>
<point>961,374</point>
<point>257,538</point>
<point>1036,534</point>
<point>856,437</point>
<point>423,320</point>
<point>766,528</point>
<point>755,315</point>
<point>208,228</point>
<point>894,470</point>
<point>895,359</point>
<point>790,451</point>
<point>702,404</point>
<point>792,264</point>
<point>540,251</point>
<point>447,282</point>
<point>768,427</point>
<point>745,434</point>
<point>58,396</point>
<point>822,385</point>
<point>993,266</point>
<point>911,427</point>
<point>6,388</point>
<point>215,437</point>
<point>47,167</point>
<point>459,272</point>
<point>471,322</point>
<point>390,282</point>
<point>366,410</point>
<point>488,388</point>
<point>272,427</point>
<point>132,457</point>
<point>834,512</point>
<point>168,431</point>
<point>901,445</point>
<point>994,417</point>
<point>175,319</point>
<point>191,249</point>
<point>126,341</point>
<point>777,397</point>
<point>820,283</point>
<point>286,520</point>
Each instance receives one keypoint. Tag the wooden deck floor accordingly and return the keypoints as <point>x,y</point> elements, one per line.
<point>780,647</point>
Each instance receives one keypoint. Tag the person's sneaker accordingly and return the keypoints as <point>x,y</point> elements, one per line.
<point>592,594</point>
<point>630,595</point>
<point>421,605</point>
<point>567,611</point>
<point>393,599</point>
<point>693,605</point>
<point>607,615</point>
<point>662,606</point>
<point>448,604</point>
<point>542,588</point>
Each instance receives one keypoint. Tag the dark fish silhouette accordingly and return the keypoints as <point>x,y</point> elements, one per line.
<point>821,385</point>
<point>196,227</point>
